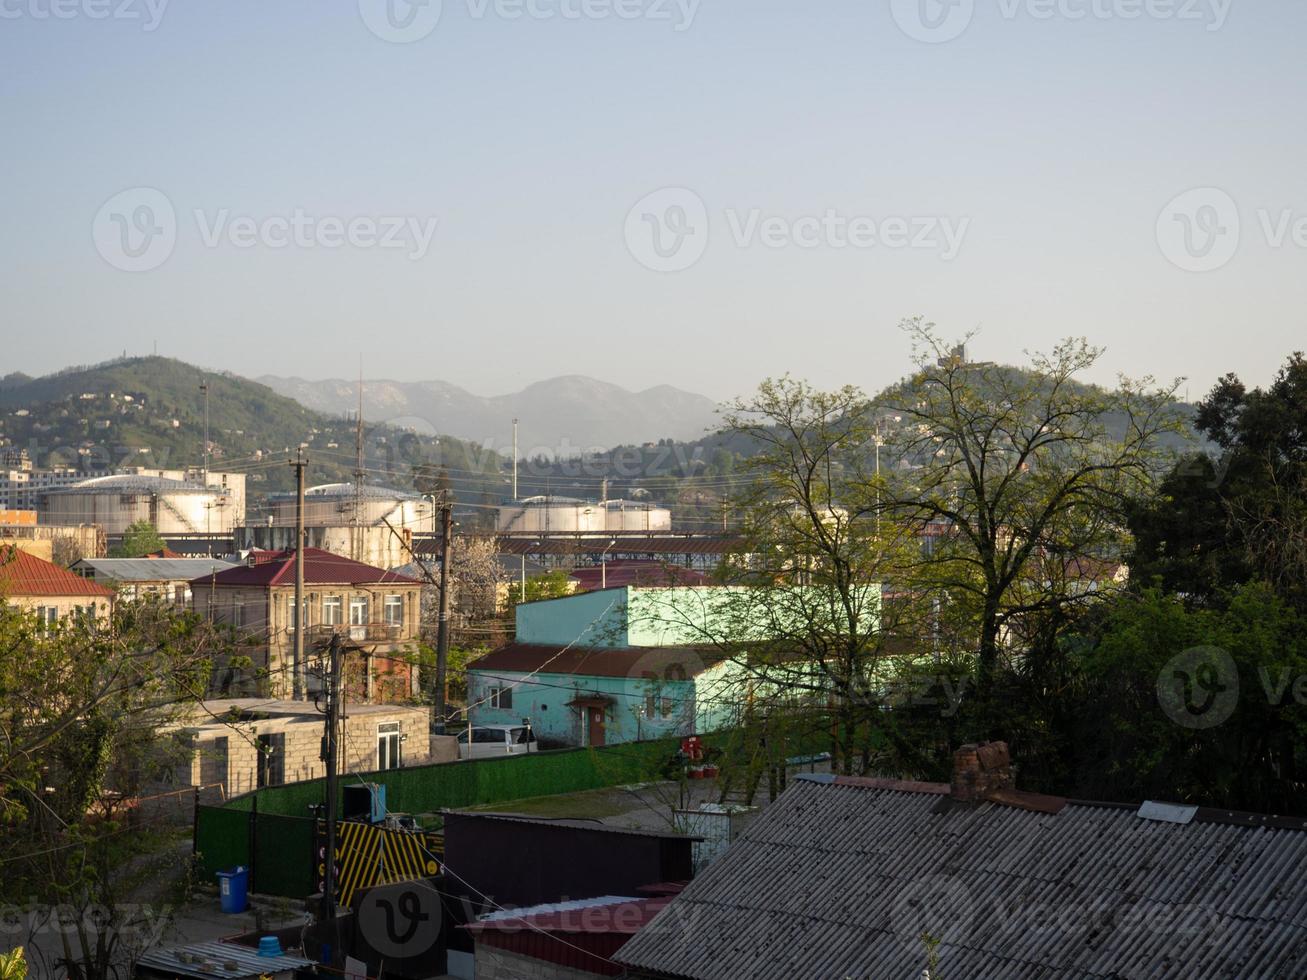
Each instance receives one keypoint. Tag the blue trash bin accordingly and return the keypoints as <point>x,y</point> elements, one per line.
<point>233,890</point>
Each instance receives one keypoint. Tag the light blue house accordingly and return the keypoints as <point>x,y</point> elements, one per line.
<point>620,665</point>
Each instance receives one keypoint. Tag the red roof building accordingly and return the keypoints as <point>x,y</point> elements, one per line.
<point>36,585</point>
<point>378,612</point>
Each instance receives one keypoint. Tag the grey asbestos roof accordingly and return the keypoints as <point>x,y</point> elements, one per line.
<point>837,880</point>
<point>151,569</point>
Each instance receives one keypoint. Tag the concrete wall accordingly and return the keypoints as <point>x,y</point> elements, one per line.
<point>234,763</point>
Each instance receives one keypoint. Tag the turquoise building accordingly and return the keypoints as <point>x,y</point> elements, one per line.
<point>619,665</point>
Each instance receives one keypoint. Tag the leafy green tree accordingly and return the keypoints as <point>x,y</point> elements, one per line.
<point>86,711</point>
<point>139,539</point>
<point>1222,521</point>
<point>553,584</point>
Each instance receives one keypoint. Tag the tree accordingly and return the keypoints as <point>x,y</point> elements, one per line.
<point>553,584</point>
<point>1022,476</point>
<point>1221,522</point>
<point>139,539</point>
<point>85,713</point>
<point>802,622</point>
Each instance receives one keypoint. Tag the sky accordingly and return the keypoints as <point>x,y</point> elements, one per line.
<point>700,193</point>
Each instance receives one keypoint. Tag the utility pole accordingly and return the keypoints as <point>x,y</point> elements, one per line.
<point>297,681</point>
<point>514,460</point>
<point>442,634</point>
<point>208,509</point>
<point>329,754</point>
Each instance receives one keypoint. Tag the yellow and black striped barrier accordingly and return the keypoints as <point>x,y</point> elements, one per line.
<point>368,855</point>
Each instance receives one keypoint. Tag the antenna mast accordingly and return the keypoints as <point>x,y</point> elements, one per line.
<point>357,535</point>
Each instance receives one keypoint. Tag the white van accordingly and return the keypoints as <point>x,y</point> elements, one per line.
<point>495,740</point>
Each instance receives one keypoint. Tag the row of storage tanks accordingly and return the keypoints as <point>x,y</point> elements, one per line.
<point>186,507</point>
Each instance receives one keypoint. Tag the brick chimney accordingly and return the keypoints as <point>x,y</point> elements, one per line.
<point>980,769</point>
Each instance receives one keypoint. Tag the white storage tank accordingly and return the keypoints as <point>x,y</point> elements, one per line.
<point>174,507</point>
<point>569,515</point>
<point>334,505</point>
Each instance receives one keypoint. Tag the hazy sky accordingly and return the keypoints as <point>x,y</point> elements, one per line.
<point>252,184</point>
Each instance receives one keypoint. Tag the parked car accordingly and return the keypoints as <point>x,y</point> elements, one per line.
<point>495,740</point>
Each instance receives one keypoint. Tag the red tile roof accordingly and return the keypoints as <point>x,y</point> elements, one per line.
<point>320,568</point>
<point>598,661</point>
<point>26,575</point>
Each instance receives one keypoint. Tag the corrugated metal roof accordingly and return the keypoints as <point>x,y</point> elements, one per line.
<point>153,569</point>
<point>595,916</point>
<point>22,574</point>
<point>248,963</point>
<point>838,880</point>
<point>597,661</point>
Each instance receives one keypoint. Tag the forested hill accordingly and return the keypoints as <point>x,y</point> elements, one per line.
<point>149,411</point>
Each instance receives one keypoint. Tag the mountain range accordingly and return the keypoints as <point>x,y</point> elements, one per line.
<point>557,417</point>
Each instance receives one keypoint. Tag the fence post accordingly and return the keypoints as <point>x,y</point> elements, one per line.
<point>195,824</point>
<point>253,840</point>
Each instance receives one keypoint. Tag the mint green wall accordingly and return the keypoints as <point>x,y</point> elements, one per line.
<point>590,619</point>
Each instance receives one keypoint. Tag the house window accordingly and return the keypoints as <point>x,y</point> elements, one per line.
<point>272,759</point>
<point>394,610</point>
<point>358,617</point>
<point>47,616</point>
<point>291,619</point>
<point>501,697</point>
<point>389,751</point>
<point>333,610</point>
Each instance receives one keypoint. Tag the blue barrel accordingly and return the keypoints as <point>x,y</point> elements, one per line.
<point>233,890</point>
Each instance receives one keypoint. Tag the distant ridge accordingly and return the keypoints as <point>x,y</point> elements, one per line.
<point>561,415</point>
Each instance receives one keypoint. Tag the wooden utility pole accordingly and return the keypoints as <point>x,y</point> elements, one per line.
<point>442,634</point>
<point>329,755</point>
<point>298,691</point>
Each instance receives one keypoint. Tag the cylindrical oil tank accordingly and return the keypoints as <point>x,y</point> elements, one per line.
<point>116,502</point>
<point>345,504</point>
<point>568,515</point>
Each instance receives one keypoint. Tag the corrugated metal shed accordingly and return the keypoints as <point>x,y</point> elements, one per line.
<point>151,569</point>
<point>840,880</point>
<point>214,960</point>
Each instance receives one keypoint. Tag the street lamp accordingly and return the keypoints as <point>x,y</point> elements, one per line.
<point>603,565</point>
